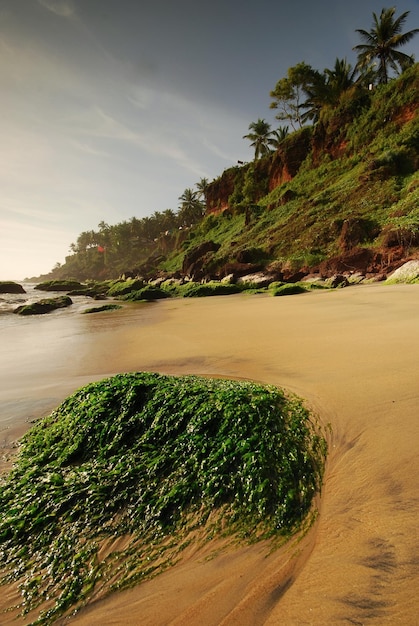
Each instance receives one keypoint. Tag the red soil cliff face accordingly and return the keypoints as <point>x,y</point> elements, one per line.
<point>277,169</point>
<point>281,166</point>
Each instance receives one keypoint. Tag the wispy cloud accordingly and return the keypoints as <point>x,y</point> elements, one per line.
<point>96,123</point>
<point>20,209</point>
<point>64,8</point>
<point>88,149</point>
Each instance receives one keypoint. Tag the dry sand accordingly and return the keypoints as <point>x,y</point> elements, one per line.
<point>353,354</point>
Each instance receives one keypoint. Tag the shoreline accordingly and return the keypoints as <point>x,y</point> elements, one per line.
<point>352,355</point>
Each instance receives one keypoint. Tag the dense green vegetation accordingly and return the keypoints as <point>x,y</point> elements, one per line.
<point>157,460</point>
<point>359,163</point>
<point>352,155</point>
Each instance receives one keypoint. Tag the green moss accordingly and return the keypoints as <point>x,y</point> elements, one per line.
<point>146,293</point>
<point>44,306</point>
<point>151,457</point>
<point>60,285</point>
<point>288,290</point>
<point>120,288</point>
<point>104,307</point>
<point>196,290</point>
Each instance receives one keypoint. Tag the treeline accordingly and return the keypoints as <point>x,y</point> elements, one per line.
<point>112,250</point>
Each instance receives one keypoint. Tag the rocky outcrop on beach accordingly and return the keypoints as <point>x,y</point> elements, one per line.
<point>60,285</point>
<point>44,306</point>
<point>196,260</point>
<point>11,287</point>
<point>407,273</point>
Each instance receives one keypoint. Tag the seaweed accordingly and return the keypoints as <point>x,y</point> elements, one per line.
<point>151,458</point>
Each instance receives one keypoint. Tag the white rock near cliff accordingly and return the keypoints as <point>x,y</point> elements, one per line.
<point>407,273</point>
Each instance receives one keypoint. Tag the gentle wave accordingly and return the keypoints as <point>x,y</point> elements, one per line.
<point>10,301</point>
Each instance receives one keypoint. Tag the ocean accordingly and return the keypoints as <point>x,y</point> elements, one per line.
<point>44,358</point>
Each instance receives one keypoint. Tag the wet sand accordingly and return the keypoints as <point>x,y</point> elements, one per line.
<point>353,354</point>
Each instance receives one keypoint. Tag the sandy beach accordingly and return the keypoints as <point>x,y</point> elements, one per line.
<point>353,355</point>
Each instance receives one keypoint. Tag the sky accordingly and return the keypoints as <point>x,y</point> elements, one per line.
<point>110,109</point>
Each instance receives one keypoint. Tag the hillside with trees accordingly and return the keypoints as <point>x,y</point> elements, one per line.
<point>335,189</point>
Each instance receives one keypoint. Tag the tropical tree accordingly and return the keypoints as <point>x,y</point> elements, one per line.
<point>202,187</point>
<point>278,137</point>
<point>382,41</point>
<point>169,220</point>
<point>339,79</point>
<point>290,93</point>
<point>260,137</point>
<point>191,208</point>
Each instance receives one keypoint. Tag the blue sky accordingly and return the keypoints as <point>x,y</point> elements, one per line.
<point>110,109</point>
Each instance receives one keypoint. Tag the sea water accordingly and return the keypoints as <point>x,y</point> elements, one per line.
<point>44,358</point>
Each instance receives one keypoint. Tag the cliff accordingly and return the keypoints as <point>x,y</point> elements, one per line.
<point>341,132</point>
<point>339,196</point>
<point>252,181</point>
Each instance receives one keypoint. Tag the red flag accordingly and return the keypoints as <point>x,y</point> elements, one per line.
<point>100,249</point>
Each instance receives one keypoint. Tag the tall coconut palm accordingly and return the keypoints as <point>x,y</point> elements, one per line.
<point>278,137</point>
<point>202,187</point>
<point>339,79</point>
<point>382,41</point>
<point>191,207</point>
<point>259,137</point>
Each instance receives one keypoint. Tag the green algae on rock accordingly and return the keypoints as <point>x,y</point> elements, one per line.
<point>44,306</point>
<point>152,458</point>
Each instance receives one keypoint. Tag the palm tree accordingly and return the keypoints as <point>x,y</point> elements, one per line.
<point>191,207</point>
<point>278,137</point>
<point>202,187</point>
<point>169,219</point>
<point>260,137</point>
<point>339,79</point>
<point>382,43</point>
<point>317,93</point>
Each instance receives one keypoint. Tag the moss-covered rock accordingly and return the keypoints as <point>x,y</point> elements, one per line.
<point>104,307</point>
<point>121,288</point>
<point>146,293</point>
<point>60,285</point>
<point>287,290</point>
<point>197,290</point>
<point>44,306</point>
<point>150,458</point>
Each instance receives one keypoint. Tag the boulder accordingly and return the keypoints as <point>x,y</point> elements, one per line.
<point>338,280</point>
<point>239,269</point>
<point>44,306</point>
<point>407,273</point>
<point>11,287</point>
<point>195,260</point>
<point>260,279</point>
<point>60,285</point>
